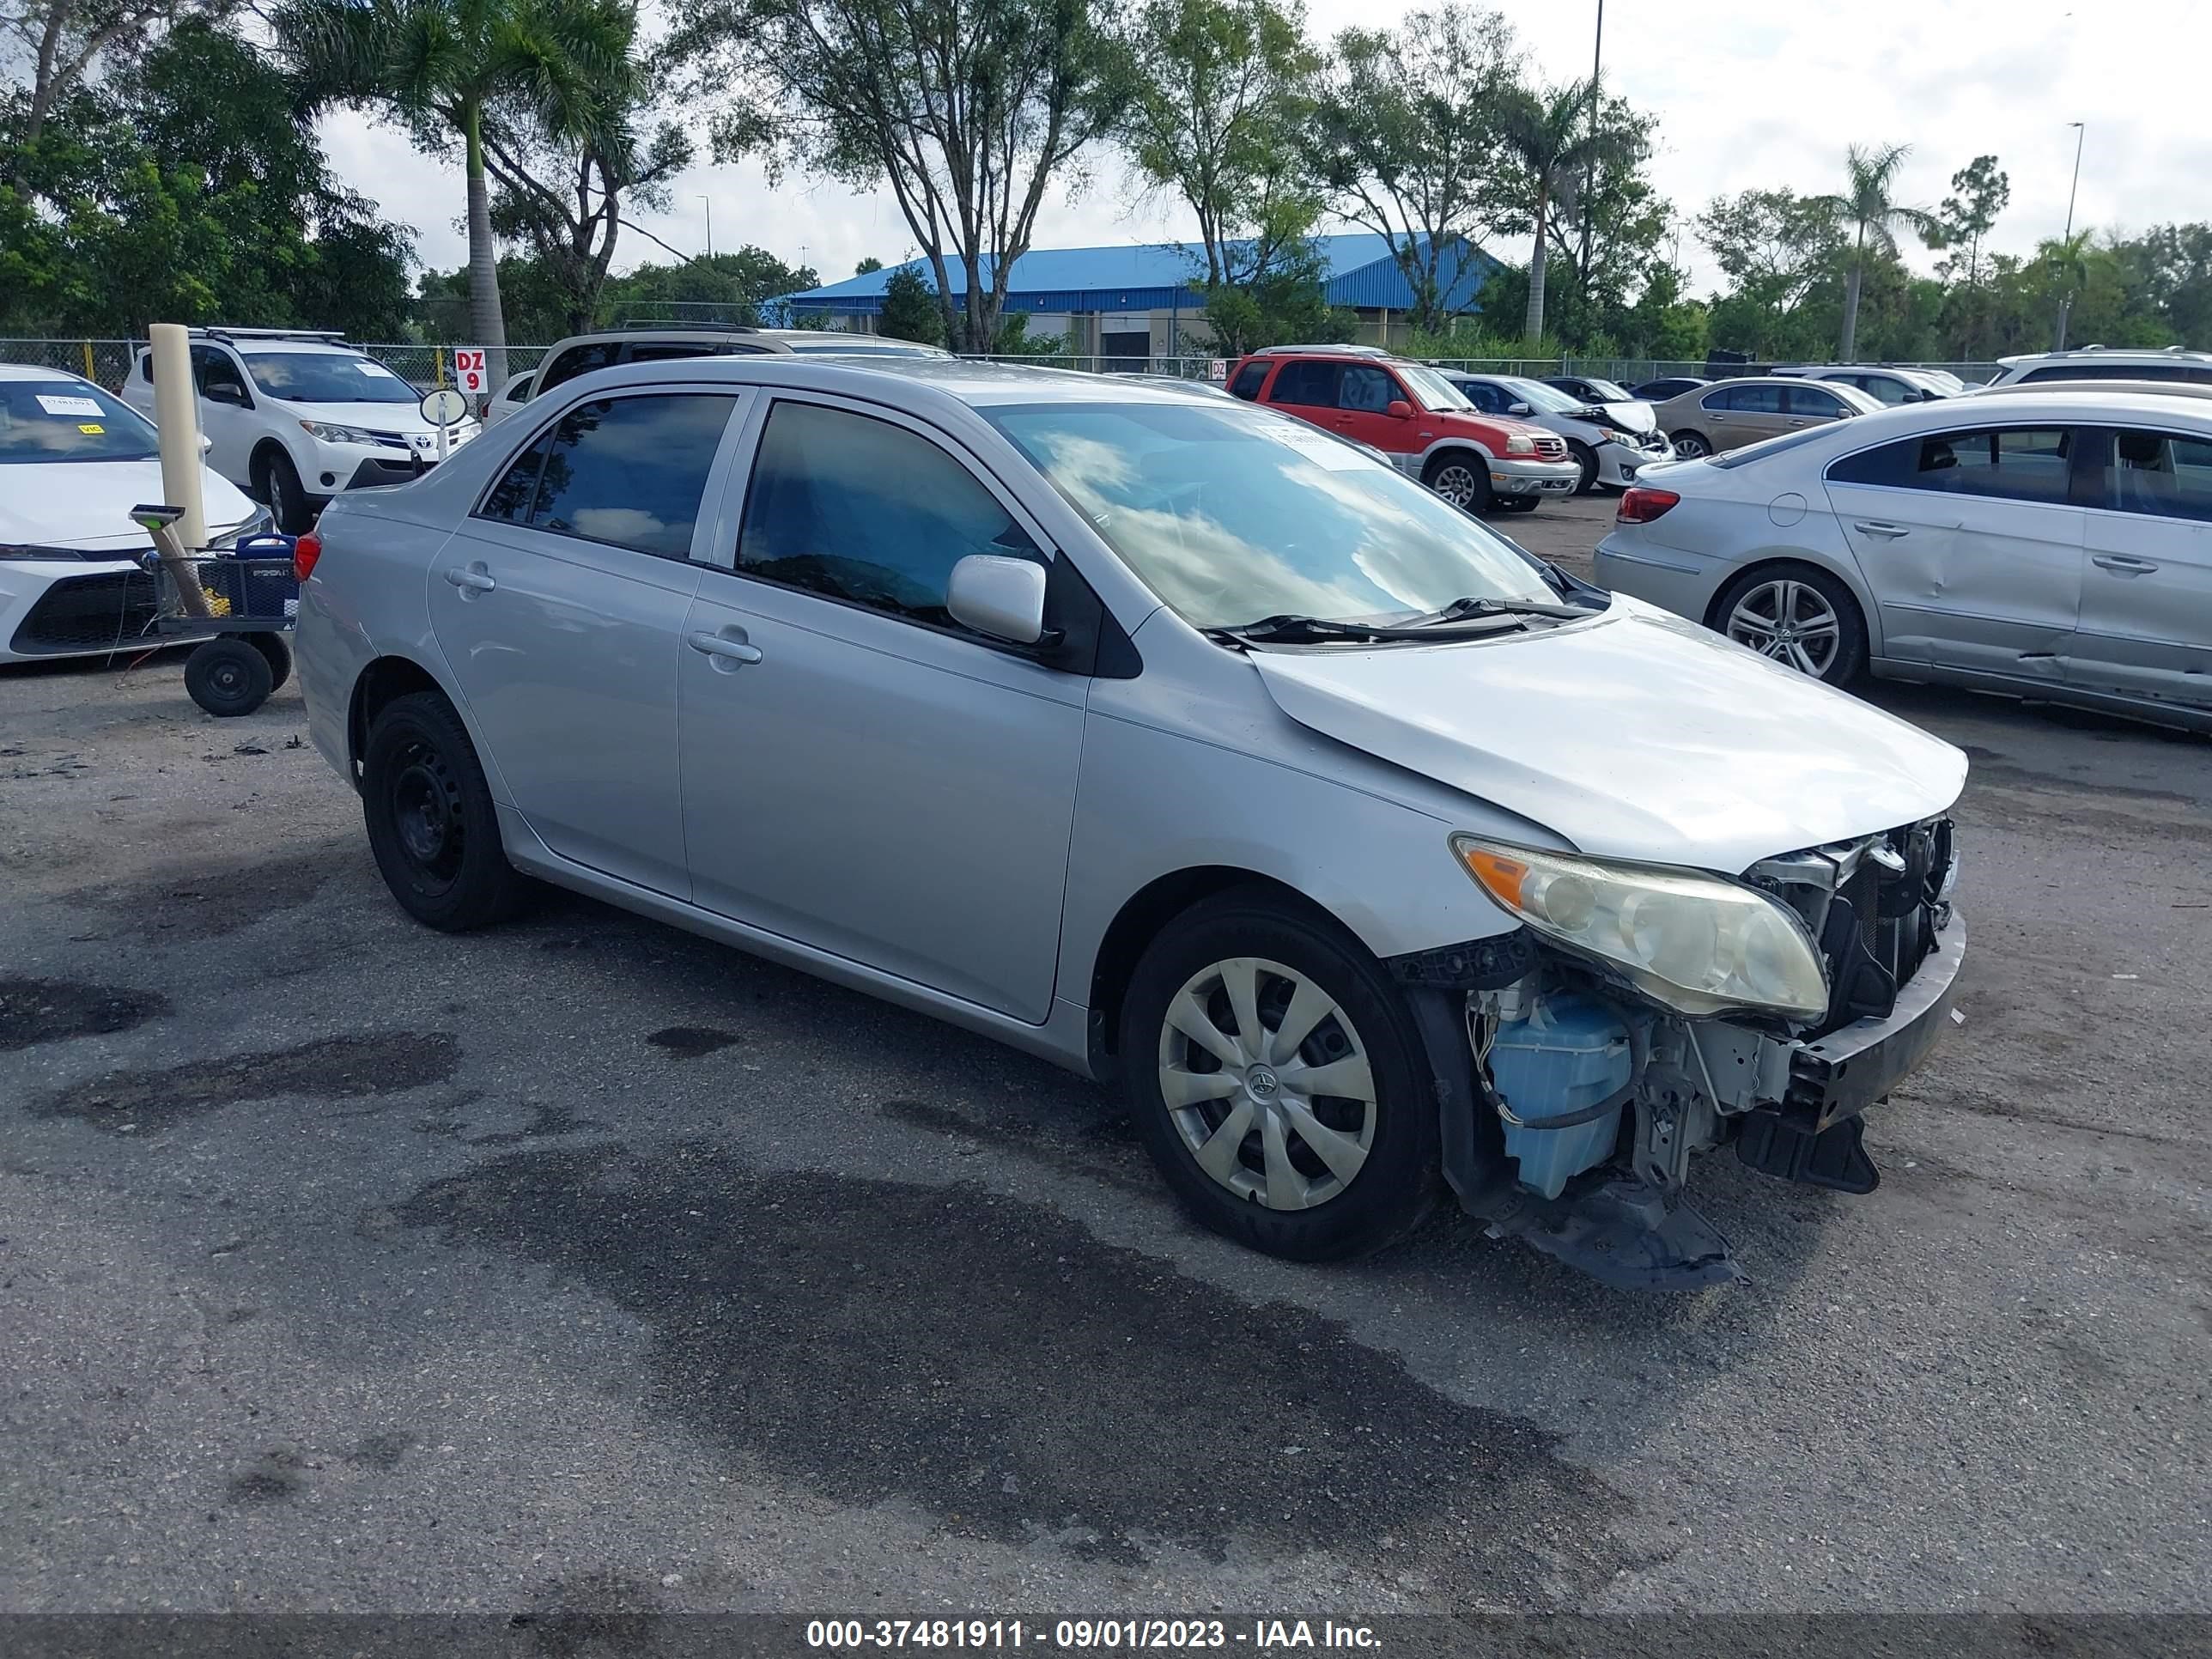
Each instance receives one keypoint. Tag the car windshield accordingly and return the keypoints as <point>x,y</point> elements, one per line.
<point>1232,514</point>
<point>1543,400</point>
<point>325,377</point>
<point>1610,391</point>
<point>1434,392</point>
<point>70,421</point>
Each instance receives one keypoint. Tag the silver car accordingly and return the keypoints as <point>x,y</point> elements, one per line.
<point>2052,543</point>
<point>1176,741</point>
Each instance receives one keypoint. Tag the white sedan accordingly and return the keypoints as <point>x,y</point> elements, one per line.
<point>74,461</point>
<point>2058,547</point>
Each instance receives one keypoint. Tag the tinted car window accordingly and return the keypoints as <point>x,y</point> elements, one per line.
<point>578,360</point>
<point>859,509</point>
<point>2158,474</point>
<point>1248,381</point>
<point>212,367</point>
<point>630,470</point>
<point>1751,399</point>
<point>1812,400</point>
<point>2014,463</point>
<point>2130,372</point>
<point>1370,391</point>
<point>1484,395</point>
<point>661,351</point>
<point>1308,383</point>
<point>510,498</point>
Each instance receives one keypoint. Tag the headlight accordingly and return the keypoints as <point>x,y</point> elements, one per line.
<point>1520,443</point>
<point>259,525</point>
<point>1694,942</point>
<point>330,434</point>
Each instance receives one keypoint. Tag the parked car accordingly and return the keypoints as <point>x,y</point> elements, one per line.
<point>653,342</point>
<point>1176,742</point>
<point>1609,442</point>
<point>74,460</point>
<point>1417,417</point>
<point>1729,414</point>
<point>1884,385</point>
<point>1671,385</point>
<point>2054,547</point>
<point>510,397</point>
<point>1587,389</point>
<point>2097,363</point>
<point>296,417</point>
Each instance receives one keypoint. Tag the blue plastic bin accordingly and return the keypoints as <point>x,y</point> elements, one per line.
<point>1569,1053</point>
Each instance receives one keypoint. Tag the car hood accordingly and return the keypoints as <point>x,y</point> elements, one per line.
<point>86,504</point>
<point>1636,736</point>
<point>403,418</point>
<point>1632,417</point>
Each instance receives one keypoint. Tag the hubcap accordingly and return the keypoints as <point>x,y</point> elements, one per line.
<point>1456,485</point>
<point>1268,1083</point>
<point>1790,622</point>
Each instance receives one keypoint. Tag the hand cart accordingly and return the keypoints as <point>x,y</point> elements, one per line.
<point>248,597</point>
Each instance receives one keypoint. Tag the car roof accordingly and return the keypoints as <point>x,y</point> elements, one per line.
<point>743,335</point>
<point>2095,353</point>
<point>2118,383</point>
<point>891,379</point>
<point>38,372</point>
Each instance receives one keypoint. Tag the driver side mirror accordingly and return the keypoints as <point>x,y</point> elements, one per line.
<point>1400,410</point>
<point>1516,409</point>
<point>223,391</point>
<point>1001,597</point>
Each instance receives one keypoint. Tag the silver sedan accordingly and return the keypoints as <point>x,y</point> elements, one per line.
<point>2056,546</point>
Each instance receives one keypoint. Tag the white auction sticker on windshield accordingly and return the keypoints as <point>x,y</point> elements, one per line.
<point>376,368</point>
<point>1317,446</point>
<point>54,405</point>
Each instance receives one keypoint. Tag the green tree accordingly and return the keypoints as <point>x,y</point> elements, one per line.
<point>1218,91</point>
<point>64,42</point>
<point>2067,261</point>
<point>1979,192</point>
<point>910,309</point>
<point>1553,138</point>
<point>1867,210</point>
<point>966,109</point>
<point>1284,305</point>
<point>1773,245</point>
<point>446,69</point>
<point>868,267</point>
<point>1404,137</point>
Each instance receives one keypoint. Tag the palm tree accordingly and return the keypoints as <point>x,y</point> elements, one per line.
<point>1873,220</point>
<point>1555,137</point>
<point>454,65</point>
<point>2067,259</point>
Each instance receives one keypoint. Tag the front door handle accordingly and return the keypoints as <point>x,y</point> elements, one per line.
<point>2122,564</point>
<point>1889,532</point>
<point>730,650</point>
<point>473,578</point>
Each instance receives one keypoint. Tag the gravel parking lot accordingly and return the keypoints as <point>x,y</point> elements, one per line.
<point>582,1267</point>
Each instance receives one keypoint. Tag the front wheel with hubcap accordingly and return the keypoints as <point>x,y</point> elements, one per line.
<point>1460,480</point>
<point>1802,618</point>
<point>1689,445</point>
<point>431,821</point>
<point>1275,1077</point>
<point>281,488</point>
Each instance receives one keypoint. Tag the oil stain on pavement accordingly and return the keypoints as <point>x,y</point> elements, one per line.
<point>33,1011</point>
<point>993,1362</point>
<point>330,1068</point>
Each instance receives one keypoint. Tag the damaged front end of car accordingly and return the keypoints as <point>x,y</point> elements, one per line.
<point>1641,1014</point>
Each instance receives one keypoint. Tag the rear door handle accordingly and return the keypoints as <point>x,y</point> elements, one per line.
<point>474,578</point>
<point>730,650</point>
<point>2122,564</point>
<point>1889,532</point>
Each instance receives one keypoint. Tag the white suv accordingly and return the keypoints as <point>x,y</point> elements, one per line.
<point>2096,362</point>
<point>1890,386</point>
<point>294,418</point>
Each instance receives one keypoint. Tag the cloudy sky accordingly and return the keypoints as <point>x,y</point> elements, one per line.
<point>1747,96</point>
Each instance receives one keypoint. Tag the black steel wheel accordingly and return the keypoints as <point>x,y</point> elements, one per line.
<point>227,677</point>
<point>432,823</point>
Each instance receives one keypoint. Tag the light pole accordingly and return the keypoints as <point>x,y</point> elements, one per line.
<point>1590,169</point>
<point>2066,303</point>
<point>709,202</point>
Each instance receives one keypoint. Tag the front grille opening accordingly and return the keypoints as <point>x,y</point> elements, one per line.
<point>88,613</point>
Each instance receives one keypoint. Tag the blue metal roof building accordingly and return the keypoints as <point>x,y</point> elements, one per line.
<point>1101,292</point>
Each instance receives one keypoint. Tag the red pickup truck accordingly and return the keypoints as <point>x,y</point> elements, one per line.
<point>1417,418</point>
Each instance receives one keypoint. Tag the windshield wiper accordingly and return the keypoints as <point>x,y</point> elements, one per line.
<point>1319,631</point>
<point>1468,610</point>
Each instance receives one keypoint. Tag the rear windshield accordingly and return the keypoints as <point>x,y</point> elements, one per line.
<point>1766,447</point>
<point>69,421</point>
<point>325,377</point>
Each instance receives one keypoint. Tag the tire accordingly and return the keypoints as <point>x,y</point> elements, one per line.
<point>1586,458</point>
<point>1460,478</point>
<point>278,481</point>
<point>1689,445</point>
<point>1807,602</point>
<point>228,678</point>
<point>1271,1187</point>
<point>431,822</point>
<point>276,653</point>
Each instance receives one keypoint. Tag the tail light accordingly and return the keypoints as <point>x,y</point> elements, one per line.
<point>305,549</point>
<point>1641,506</point>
